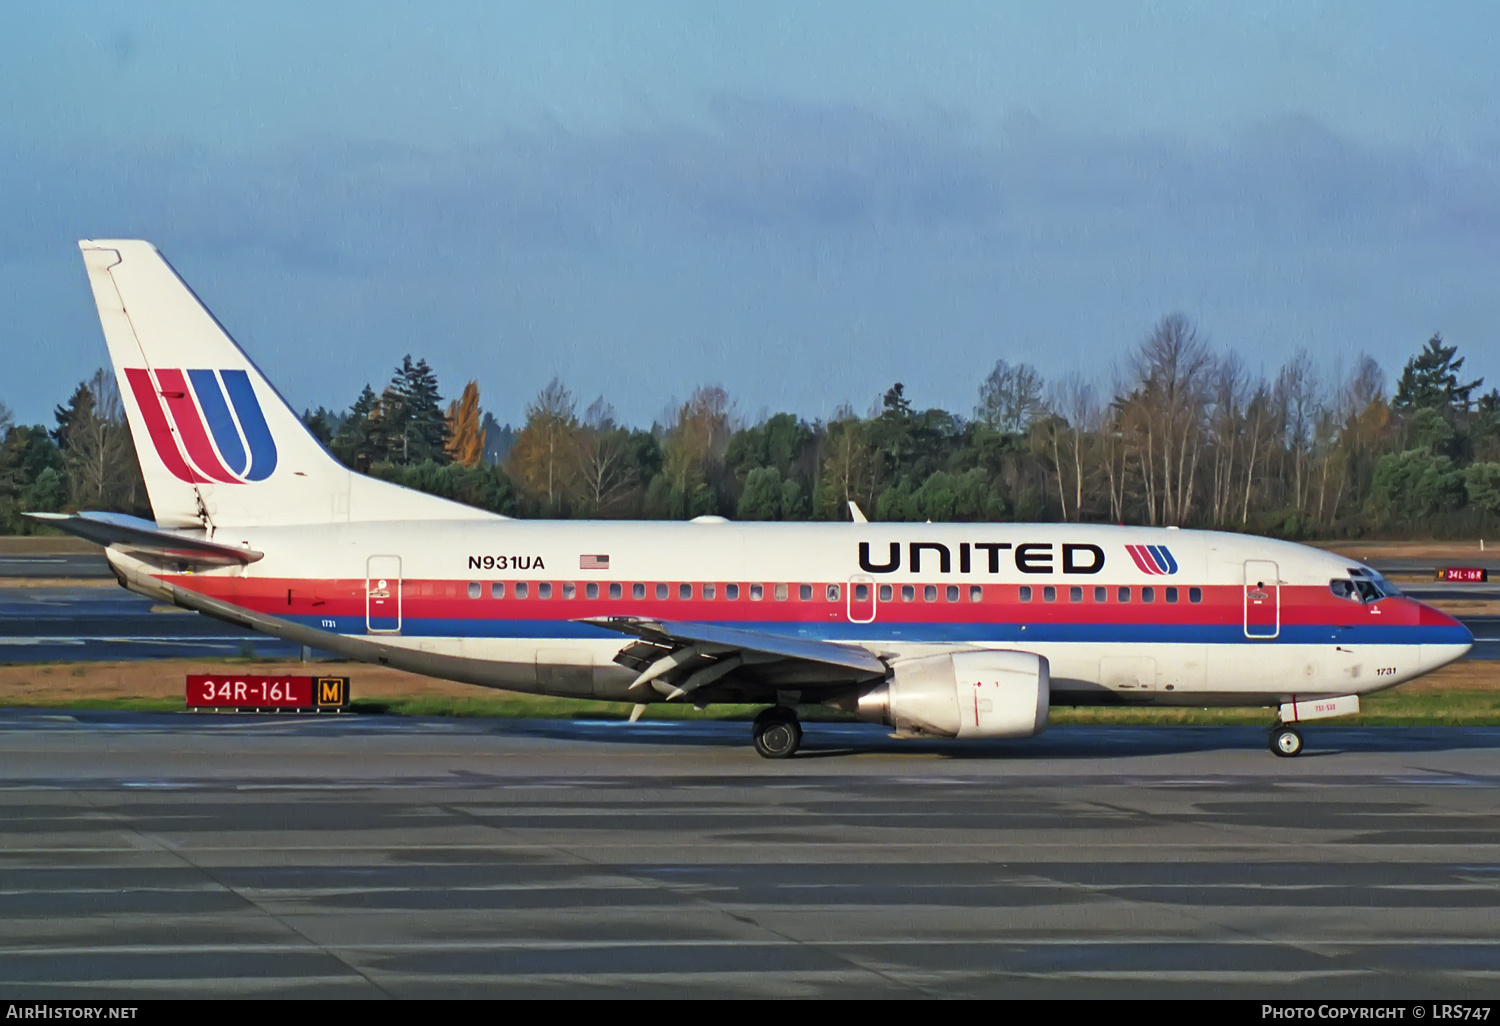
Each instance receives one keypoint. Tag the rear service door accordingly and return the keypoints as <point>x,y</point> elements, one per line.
<point>1262,600</point>
<point>383,595</point>
<point>861,601</point>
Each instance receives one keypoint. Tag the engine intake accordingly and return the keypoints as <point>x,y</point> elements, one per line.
<point>963,694</point>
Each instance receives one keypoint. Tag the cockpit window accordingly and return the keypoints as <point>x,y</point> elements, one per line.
<point>1360,589</point>
<point>1386,587</point>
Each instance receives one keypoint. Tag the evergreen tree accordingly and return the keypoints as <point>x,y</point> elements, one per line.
<point>355,441</point>
<point>411,424</point>
<point>78,410</point>
<point>1430,381</point>
<point>316,421</point>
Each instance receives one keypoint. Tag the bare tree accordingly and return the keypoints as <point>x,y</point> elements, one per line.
<point>544,458</point>
<point>1226,424</point>
<point>97,452</point>
<point>603,457</point>
<point>1078,419</point>
<point>1165,414</point>
<point>1011,397</point>
<point>1297,405</point>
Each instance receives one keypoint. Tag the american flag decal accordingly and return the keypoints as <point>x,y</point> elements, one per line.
<point>593,562</point>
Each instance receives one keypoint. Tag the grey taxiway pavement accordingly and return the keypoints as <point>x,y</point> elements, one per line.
<point>366,856</point>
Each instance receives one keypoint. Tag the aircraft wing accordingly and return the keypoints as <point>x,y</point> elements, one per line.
<point>678,658</point>
<point>142,538</point>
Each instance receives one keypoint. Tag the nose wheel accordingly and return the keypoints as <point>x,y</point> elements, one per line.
<point>1286,741</point>
<point>776,732</point>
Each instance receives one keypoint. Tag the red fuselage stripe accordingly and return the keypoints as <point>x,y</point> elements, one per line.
<point>1302,605</point>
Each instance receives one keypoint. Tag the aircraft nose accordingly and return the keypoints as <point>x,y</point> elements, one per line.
<point>1444,639</point>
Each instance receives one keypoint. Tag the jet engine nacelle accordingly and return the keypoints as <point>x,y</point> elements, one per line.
<point>963,694</point>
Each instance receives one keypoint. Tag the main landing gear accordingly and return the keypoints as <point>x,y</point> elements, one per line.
<point>776,732</point>
<point>1286,741</point>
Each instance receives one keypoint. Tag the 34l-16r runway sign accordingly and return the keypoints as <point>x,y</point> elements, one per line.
<point>1468,574</point>
<point>257,691</point>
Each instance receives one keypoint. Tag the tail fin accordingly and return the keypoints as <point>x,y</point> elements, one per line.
<point>218,446</point>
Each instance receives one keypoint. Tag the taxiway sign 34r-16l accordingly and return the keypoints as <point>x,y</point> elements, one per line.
<point>947,630</point>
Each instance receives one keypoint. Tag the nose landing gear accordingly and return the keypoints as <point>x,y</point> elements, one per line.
<point>1286,741</point>
<point>776,732</point>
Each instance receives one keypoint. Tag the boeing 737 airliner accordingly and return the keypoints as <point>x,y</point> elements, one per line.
<point>947,630</point>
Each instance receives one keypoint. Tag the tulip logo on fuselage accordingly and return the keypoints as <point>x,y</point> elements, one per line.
<point>1152,559</point>
<point>207,426</point>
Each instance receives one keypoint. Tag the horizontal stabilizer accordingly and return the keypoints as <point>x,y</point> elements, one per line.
<point>144,538</point>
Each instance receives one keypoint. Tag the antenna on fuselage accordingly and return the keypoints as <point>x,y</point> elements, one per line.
<point>856,514</point>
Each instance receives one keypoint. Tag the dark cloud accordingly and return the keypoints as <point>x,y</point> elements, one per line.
<point>838,220</point>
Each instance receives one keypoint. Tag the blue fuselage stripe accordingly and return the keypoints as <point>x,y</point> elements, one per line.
<point>941,633</point>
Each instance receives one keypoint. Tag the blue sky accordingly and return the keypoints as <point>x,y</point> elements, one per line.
<point>802,202</point>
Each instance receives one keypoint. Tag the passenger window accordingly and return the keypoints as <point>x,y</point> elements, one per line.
<point>638,591</point>
<point>781,592</point>
<point>1049,594</point>
<point>1101,594</point>
<point>908,593</point>
<point>475,589</point>
<point>757,592</point>
<point>1075,594</point>
<point>497,589</point>
<point>833,592</point>
<point>1025,593</point>
<point>885,593</point>
<point>929,593</point>
<point>861,593</point>
<point>661,591</point>
<point>1195,594</point>
<point>570,590</point>
<point>544,590</point>
<point>684,591</point>
<point>1148,594</point>
<point>521,590</point>
<point>1171,594</point>
<point>710,592</point>
<point>591,591</point>
<point>731,592</point>
<point>804,592</point>
<point>615,591</point>
<point>952,593</point>
<point>1123,595</point>
<point>976,593</point>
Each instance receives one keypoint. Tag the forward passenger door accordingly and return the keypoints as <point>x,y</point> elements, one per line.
<point>1262,599</point>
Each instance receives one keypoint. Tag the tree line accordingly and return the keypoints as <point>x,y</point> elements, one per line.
<point>1181,435</point>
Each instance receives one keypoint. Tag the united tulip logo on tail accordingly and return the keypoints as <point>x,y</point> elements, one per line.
<point>207,425</point>
<point>1152,559</point>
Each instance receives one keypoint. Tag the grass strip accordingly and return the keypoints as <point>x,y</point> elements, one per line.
<point>1441,708</point>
